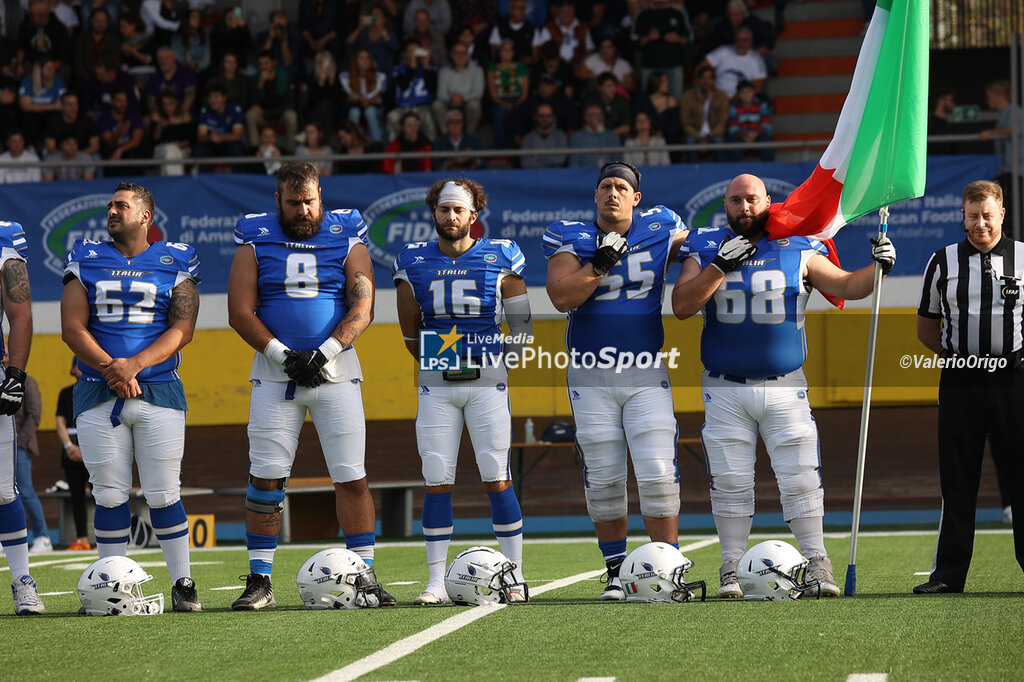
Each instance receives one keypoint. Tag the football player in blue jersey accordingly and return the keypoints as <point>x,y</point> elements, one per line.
<point>459,287</point>
<point>753,292</point>
<point>609,276</point>
<point>16,302</point>
<point>301,292</point>
<point>127,310</point>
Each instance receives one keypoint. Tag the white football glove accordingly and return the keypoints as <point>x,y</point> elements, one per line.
<point>733,252</point>
<point>883,253</point>
<point>611,248</point>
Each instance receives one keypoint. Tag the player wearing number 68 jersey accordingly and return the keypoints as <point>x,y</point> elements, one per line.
<point>609,276</point>
<point>459,287</point>
<point>127,309</point>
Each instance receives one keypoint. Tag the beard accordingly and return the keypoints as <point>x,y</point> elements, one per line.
<point>752,229</point>
<point>300,228</point>
<point>450,232</point>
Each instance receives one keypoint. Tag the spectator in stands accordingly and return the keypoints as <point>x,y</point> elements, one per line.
<point>478,16</point>
<point>220,126</point>
<point>736,62</point>
<point>315,144</point>
<point>997,97</point>
<point>42,35</point>
<point>508,85</point>
<point>355,143</point>
<point>737,14</point>
<point>460,85</point>
<point>545,135</point>
<point>428,38</point>
<point>550,92</point>
<point>268,149</point>
<point>87,7</point>
<point>273,101</point>
<point>705,113</point>
<point>318,22</point>
<point>593,134</point>
<point>616,110</point>
<point>410,139</point>
<point>26,423</point>
<point>173,76</point>
<point>173,132</point>
<point>603,17</point>
<point>325,98</point>
<point>365,86</point>
<point>39,97</point>
<point>161,19</point>
<point>93,44</point>
<point>17,153</point>
<point>71,121</point>
<point>438,11</point>
<point>120,131</point>
<point>107,77</point>
<point>455,139</point>
<point>553,65</point>
<point>646,145</point>
<point>569,33</point>
<point>135,45</point>
<point>68,151</point>
<point>10,112</point>
<point>231,34</point>
<point>661,106</point>
<point>663,33</point>
<point>71,460</point>
<point>413,84</point>
<point>939,122</point>
<point>282,40</point>
<point>536,10</point>
<point>516,28</point>
<point>191,43</point>
<point>237,86</point>
<point>749,121</point>
<point>606,60</point>
<point>374,34</point>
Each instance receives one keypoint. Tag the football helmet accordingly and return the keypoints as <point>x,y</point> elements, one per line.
<point>112,586</point>
<point>483,576</point>
<point>655,573</point>
<point>337,578</point>
<point>775,571</point>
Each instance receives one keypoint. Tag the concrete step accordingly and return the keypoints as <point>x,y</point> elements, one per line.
<point>809,11</point>
<point>790,105</point>
<point>822,28</point>
<point>819,124</point>
<point>809,85</point>
<point>815,48</point>
<point>820,66</point>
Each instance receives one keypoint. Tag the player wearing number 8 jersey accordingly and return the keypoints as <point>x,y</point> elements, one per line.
<point>127,309</point>
<point>753,292</point>
<point>301,292</point>
<point>609,276</point>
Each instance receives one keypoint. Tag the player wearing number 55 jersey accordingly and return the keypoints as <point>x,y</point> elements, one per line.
<point>127,310</point>
<point>753,292</point>
<point>301,292</point>
<point>609,275</point>
<point>460,286</point>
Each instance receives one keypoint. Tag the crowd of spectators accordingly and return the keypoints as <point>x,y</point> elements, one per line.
<point>174,80</point>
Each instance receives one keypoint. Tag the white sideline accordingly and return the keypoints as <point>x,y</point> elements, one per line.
<point>404,647</point>
<point>867,677</point>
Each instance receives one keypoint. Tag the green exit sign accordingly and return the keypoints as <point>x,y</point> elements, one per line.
<point>965,113</point>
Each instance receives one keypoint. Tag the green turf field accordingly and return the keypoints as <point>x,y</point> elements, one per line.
<point>564,633</point>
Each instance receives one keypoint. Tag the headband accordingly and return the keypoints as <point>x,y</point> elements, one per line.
<point>452,193</point>
<point>622,171</point>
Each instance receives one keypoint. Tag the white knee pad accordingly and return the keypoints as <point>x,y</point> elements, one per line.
<point>437,469</point>
<point>161,498</point>
<point>606,503</point>
<point>803,504</point>
<point>733,483</point>
<point>659,500</point>
<point>110,497</point>
<point>739,503</point>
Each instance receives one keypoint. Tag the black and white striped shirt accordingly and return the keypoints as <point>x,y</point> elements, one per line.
<point>977,296</point>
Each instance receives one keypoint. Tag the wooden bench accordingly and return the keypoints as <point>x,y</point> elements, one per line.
<point>309,508</point>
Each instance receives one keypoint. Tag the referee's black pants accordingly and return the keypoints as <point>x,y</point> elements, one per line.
<point>975,405</point>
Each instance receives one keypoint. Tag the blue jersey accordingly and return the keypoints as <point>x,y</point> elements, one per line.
<point>129,298</point>
<point>624,311</point>
<point>12,245</point>
<point>754,323</point>
<point>302,284</point>
<point>464,291</point>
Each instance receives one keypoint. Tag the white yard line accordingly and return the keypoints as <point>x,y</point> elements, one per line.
<point>867,677</point>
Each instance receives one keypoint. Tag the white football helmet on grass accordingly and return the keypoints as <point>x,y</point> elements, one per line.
<point>655,572</point>
<point>337,578</point>
<point>483,576</point>
<point>775,571</point>
<point>112,586</point>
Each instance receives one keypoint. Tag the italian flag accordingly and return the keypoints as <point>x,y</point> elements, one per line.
<point>877,154</point>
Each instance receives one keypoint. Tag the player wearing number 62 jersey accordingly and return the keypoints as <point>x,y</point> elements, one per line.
<point>301,292</point>
<point>127,309</point>
<point>459,287</point>
<point>609,276</point>
<point>753,292</point>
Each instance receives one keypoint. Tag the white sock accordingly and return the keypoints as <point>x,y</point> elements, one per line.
<point>733,533</point>
<point>17,559</point>
<point>437,563</point>
<point>809,535</point>
<point>106,549</point>
<point>176,554</point>
<point>512,547</point>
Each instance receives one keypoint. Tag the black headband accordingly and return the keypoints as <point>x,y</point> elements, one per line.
<point>623,171</point>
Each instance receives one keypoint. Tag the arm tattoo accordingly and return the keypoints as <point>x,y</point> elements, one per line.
<point>184,302</point>
<point>16,284</point>
<point>362,287</point>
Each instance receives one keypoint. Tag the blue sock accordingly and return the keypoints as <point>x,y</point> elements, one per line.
<point>614,551</point>
<point>13,526</point>
<point>261,552</point>
<point>363,545</point>
<point>113,524</point>
<point>507,521</point>
<point>170,524</point>
<point>675,544</point>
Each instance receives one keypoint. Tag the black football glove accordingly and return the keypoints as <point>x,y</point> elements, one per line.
<point>883,253</point>
<point>611,249</point>
<point>732,252</point>
<point>303,367</point>
<point>12,391</point>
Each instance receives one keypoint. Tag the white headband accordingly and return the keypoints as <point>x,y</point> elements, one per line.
<point>453,193</point>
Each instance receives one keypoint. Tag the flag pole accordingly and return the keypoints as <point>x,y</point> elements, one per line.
<point>865,412</point>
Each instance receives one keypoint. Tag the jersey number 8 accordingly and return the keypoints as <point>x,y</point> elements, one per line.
<point>300,279</point>
<point>767,298</point>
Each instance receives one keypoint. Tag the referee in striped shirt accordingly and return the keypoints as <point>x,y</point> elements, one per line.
<point>971,312</point>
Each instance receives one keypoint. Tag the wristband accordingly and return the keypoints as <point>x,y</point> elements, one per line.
<point>275,350</point>
<point>330,347</point>
<point>67,446</point>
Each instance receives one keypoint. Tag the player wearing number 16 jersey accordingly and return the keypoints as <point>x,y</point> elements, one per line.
<point>609,275</point>
<point>301,292</point>
<point>127,309</point>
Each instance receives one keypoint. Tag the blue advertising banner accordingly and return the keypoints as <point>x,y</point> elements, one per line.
<point>202,211</point>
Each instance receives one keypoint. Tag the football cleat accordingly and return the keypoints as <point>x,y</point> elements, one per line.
<point>729,585</point>
<point>429,598</point>
<point>613,591</point>
<point>820,569</point>
<point>258,594</point>
<point>184,598</point>
<point>26,597</point>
